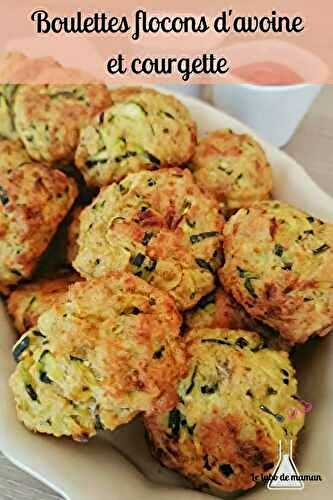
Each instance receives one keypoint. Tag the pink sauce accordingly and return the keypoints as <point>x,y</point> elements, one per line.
<point>268,73</point>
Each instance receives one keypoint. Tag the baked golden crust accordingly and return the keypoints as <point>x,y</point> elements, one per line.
<point>233,168</point>
<point>7,126</point>
<point>48,118</point>
<point>143,130</point>
<point>157,225</point>
<point>30,300</point>
<point>33,202</point>
<point>97,358</point>
<point>278,266</point>
<point>12,155</point>
<point>234,407</point>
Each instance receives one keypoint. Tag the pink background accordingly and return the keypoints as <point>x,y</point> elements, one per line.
<point>90,52</point>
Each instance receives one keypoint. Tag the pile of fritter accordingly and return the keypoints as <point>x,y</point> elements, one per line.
<point>151,273</point>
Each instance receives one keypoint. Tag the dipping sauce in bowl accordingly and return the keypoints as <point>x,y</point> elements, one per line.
<point>268,73</point>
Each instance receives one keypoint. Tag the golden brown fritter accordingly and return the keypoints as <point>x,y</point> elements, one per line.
<point>48,118</point>
<point>279,267</point>
<point>157,225</point>
<point>33,202</point>
<point>233,168</point>
<point>143,130</point>
<point>30,300</point>
<point>234,407</point>
<point>104,353</point>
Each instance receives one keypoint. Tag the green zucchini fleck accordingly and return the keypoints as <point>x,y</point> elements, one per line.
<point>197,238</point>
<point>191,386</point>
<point>146,238</point>
<point>31,392</point>
<point>248,277</point>
<point>3,196</point>
<point>190,223</point>
<point>36,333</point>
<point>278,417</point>
<point>20,348</point>
<point>98,423</point>
<point>226,469</point>
<point>278,250</point>
<point>205,265</point>
<point>206,464</point>
<point>138,260</point>
<point>209,389</point>
<point>321,249</point>
<point>207,300</point>
<point>174,421</point>
<point>75,358</point>
<point>43,377</point>
<point>215,341</point>
<point>241,342</point>
<point>158,354</point>
<point>249,287</point>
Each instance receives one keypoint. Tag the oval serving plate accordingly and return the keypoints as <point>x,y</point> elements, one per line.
<point>118,465</point>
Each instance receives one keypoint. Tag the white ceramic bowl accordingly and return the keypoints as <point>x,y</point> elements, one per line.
<point>273,111</point>
<point>125,470</point>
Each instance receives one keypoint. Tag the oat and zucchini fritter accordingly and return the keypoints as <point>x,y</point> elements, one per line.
<point>30,300</point>
<point>104,353</point>
<point>48,118</point>
<point>234,406</point>
<point>157,225</point>
<point>33,202</point>
<point>279,267</point>
<point>143,130</point>
<point>233,168</point>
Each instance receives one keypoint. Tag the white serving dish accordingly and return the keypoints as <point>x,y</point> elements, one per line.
<point>97,470</point>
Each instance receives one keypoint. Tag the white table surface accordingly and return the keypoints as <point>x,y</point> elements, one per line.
<point>312,147</point>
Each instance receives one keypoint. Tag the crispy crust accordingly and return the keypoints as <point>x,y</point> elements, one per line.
<point>29,301</point>
<point>157,225</point>
<point>233,168</point>
<point>143,130</point>
<point>97,358</point>
<point>34,200</point>
<point>48,118</point>
<point>233,410</point>
<point>278,266</point>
